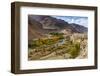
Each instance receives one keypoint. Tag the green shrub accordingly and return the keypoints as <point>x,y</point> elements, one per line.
<point>56,33</point>
<point>74,50</point>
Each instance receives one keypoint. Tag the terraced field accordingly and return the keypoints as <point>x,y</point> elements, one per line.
<point>55,47</point>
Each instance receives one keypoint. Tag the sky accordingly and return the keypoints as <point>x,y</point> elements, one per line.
<point>74,19</point>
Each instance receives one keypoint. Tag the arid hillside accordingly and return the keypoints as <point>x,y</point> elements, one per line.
<point>51,38</point>
<point>40,25</point>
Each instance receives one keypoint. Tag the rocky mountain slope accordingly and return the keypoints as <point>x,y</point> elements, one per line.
<point>41,25</point>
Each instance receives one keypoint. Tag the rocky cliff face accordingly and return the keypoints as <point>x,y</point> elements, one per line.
<point>83,50</point>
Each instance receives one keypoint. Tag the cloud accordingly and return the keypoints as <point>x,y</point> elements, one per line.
<point>74,19</point>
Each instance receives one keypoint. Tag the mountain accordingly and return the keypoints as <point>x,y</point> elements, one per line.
<point>74,19</point>
<point>39,26</point>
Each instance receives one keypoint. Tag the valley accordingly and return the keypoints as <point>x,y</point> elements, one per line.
<point>56,46</point>
<point>50,38</point>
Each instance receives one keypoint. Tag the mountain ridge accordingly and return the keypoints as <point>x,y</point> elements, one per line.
<point>42,25</point>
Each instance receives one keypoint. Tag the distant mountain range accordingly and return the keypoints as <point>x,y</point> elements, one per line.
<point>81,20</point>
<point>39,25</point>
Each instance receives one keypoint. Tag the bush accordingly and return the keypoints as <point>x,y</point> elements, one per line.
<point>42,42</point>
<point>56,33</point>
<point>74,50</point>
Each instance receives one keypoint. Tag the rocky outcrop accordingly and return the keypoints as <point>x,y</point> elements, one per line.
<point>83,50</point>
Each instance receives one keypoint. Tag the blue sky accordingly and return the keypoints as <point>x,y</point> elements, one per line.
<point>74,19</point>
